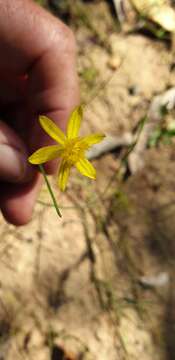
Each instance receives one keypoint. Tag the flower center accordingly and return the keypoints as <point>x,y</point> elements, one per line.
<point>73,150</point>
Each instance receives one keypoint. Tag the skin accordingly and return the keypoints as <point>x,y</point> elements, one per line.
<point>37,76</point>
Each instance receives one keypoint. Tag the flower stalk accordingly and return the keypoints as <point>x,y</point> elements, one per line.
<point>50,190</point>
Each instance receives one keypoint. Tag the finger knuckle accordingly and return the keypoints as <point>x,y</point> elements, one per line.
<point>66,39</point>
<point>69,40</point>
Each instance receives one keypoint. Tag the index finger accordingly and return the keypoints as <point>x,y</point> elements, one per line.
<point>42,47</point>
<point>53,88</point>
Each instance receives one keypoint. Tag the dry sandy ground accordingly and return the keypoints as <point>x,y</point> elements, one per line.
<point>89,286</point>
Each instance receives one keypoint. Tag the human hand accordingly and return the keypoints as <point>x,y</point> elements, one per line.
<point>37,76</point>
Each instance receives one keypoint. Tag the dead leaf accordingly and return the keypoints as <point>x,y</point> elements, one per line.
<point>158,11</point>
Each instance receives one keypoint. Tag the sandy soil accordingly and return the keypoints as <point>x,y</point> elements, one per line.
<point>98,284</point>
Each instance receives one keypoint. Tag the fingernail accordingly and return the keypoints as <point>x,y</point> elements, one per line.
<point>14,166</point>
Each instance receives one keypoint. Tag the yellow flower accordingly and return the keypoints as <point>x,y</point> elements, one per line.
<point>71,148</point>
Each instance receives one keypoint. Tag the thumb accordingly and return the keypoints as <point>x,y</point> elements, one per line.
<point>14,166</point>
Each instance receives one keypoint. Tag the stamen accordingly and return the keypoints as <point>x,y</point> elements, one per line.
<point>73,151</point>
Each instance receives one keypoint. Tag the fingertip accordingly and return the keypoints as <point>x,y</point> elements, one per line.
<point>15,218</point>
<point>17,201</point>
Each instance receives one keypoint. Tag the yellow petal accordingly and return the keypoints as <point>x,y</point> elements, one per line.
<point>92,139</point>
<point>45,154</point>
<point>86,168</point>
<point>52,129</point>
<point>63,175</point>
<point>74,122</point>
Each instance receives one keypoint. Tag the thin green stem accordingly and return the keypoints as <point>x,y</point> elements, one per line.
<point>50,190</point>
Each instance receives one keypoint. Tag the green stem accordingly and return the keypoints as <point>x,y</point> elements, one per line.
<point>50,190</point>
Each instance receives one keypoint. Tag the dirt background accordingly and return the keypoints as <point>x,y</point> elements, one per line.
<point>99,284</point>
